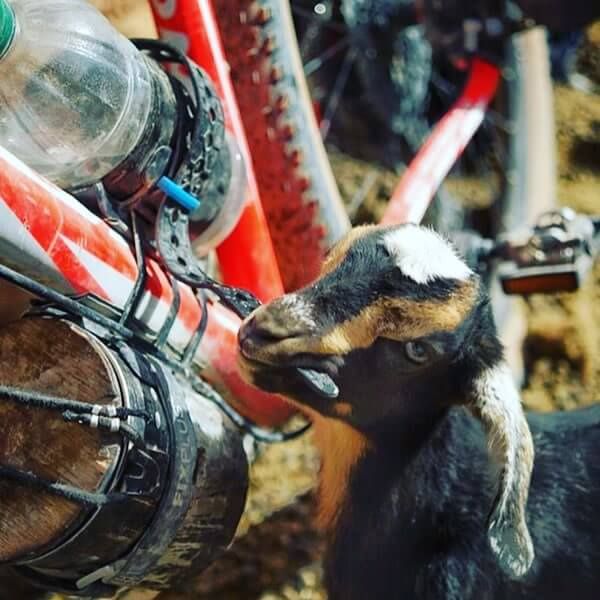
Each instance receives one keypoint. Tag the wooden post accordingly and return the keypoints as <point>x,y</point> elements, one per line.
<point>53,357</point>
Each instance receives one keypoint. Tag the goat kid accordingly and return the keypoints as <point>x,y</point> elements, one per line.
<point>428,485</point>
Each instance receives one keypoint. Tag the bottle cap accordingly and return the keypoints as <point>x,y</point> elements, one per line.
<point>8,24</point>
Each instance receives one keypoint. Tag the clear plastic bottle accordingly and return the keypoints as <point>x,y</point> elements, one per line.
<point>75,95</point>
<point>229,208</point>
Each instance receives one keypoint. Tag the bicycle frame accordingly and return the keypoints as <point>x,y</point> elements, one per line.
<point>443,147</point>
<point>49,236</point>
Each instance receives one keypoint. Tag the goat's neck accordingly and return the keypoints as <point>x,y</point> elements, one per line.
<point>403,437</point>
<point>343,450</point>
<point>400,501</point>
<point>340,447</point>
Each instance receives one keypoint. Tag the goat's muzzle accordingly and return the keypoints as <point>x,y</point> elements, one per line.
<point>283,334</point>
<point>266,328</point>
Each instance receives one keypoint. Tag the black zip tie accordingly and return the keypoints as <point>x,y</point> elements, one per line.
<point>59,489</point>
<point>167,326</point>
<point>194,343</point>
<point>40,400</point>
<point>139,285</point>
<point>108,213</point>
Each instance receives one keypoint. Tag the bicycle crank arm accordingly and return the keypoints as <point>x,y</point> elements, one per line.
<point>174,247</point>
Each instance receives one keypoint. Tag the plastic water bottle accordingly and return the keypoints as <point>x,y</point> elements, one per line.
<point>227,212</point>
<point>75,95</point>
<point>80,104</point>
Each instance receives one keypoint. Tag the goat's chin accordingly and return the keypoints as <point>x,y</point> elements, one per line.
<point>268,378</point>
<point>285,381</point>
<point>251,370</point>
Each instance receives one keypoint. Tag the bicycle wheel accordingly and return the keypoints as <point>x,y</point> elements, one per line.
<point>507,171</point>
<point>299,195</point>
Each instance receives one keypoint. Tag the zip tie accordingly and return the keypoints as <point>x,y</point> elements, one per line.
<point>39,400</point>
<point>178,194</point>
<point>59,489</point>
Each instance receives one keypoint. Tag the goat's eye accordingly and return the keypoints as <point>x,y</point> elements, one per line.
<point>417,352</point>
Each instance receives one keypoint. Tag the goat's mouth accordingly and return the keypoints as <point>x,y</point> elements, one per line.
<point>271,341</point>
<point>277,355</point>
<point>306,380</point>
<point>275,347</point>
<point>324,363</point>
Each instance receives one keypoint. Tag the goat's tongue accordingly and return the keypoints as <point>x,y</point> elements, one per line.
<point>320,382</point>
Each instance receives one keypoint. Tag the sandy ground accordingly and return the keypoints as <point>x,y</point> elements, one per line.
<point>277,557</point>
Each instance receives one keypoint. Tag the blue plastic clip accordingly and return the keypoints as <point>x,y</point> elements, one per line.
<point>178,194</point>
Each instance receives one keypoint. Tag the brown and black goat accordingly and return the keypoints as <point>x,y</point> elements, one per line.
<point>429,488</point>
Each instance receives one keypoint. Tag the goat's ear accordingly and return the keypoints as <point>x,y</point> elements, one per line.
<point>496,402</point>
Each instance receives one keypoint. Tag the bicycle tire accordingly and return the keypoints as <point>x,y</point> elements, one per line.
<point>299,195</point>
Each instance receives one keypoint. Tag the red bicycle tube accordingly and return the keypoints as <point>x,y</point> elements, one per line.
<point>445,144</point>
<point>246,257</point>
<point>49,236</point>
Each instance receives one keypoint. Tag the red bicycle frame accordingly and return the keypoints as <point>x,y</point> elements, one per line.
<point>443,147</point>
<point>49,236</point>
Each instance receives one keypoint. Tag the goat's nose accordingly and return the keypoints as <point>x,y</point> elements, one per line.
<point>269,324</point>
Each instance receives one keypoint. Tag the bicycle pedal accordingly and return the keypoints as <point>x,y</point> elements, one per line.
<point>554,257</point>
<point>543,279</point>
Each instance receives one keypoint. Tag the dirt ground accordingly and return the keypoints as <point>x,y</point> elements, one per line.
<point>277,558</point>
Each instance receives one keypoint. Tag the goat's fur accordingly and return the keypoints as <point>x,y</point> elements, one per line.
<point>427,487</point>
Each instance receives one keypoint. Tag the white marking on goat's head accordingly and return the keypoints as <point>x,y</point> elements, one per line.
<point>298,308</point>
<point>423,255</point>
